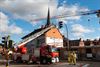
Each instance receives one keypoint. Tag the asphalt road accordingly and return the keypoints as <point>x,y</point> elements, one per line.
<point>42,65</point>
<point>92,63</point>
<point>63,64</point>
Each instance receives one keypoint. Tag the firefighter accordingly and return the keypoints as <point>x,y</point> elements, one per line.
<point>74,58</point>
<point>71,57</point>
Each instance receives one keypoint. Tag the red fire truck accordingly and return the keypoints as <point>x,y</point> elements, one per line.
<point>45,54</point>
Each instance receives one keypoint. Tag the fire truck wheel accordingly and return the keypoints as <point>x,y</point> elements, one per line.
<point>44,61</point>
<point>19,60</point>
<point>34,62</point>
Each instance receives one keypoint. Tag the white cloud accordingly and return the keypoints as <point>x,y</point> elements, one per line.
<point>32,9</point>
<point>15,29</point>
<point>71,11</point>
<point>99,29</point>
<point>98,37</point>
<point>80,30</point>
<point>3,22</point>
<point>6,28</point>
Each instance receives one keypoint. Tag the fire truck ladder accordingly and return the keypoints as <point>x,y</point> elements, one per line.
<point>78,13</point>
<point>28,39</point>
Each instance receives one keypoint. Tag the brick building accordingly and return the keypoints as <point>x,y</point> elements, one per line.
<point>86,49</point>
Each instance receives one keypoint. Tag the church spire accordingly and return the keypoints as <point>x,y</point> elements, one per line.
<point>48,18</point>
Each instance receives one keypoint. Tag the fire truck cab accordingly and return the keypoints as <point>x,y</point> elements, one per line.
<point>49,54</point>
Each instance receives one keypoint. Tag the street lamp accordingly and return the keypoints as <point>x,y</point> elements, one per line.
<point>67,36</point>
<point>60,26</point>
<point>68,46</point>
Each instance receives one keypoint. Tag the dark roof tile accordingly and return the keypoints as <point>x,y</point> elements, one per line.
<point>35,31</point>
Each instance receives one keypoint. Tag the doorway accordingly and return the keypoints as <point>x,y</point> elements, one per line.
<point>89,53</point>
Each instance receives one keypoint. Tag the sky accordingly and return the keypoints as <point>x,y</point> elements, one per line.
<point>18,17</point>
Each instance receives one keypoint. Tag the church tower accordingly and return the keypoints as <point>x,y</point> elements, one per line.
<point>48,19</point>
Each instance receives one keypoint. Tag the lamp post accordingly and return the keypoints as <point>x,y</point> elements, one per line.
<point>60,26</point>
<point>67,37</point>
<point>68,46</point>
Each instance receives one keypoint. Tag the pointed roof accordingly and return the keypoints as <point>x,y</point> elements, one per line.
<point>37,31</point>
<point>34,35</point>
<point>48,18</point>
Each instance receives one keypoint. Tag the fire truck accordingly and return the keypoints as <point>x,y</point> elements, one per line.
<point>44,54</point>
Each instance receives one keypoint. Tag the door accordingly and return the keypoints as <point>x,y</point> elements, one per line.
<point>89,53</point>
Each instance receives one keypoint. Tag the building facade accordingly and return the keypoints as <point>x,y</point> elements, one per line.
<point>85,49</point>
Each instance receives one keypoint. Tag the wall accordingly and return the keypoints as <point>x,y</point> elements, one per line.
<point>53,37</point>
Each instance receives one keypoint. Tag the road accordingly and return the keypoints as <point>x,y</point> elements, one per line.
<point>63,64</point>
<point>42,65</point>
<point>92,63</point>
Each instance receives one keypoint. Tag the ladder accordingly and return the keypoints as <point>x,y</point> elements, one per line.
<point>30,38</point>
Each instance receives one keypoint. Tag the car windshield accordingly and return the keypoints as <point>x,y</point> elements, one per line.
<point>54,50</point>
